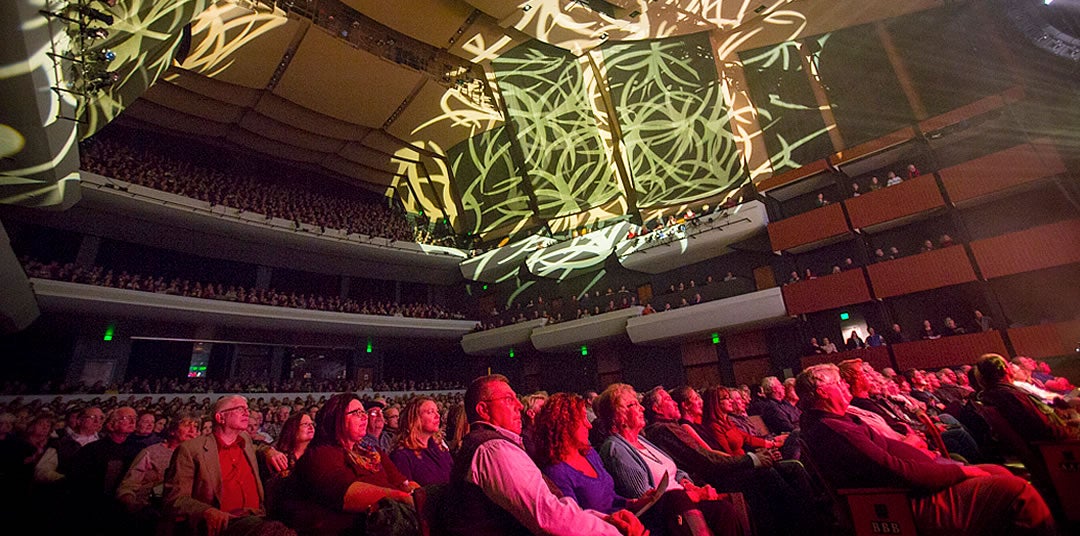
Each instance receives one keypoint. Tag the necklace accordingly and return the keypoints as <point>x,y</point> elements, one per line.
<point>647,452</point>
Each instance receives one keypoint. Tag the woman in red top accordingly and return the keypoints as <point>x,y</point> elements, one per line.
<point>717,405</point>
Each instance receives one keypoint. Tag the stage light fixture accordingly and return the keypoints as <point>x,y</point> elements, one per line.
<point>94,33</point>
<point>102,81</point>
<point>92,13</point>
<point>108,55</point>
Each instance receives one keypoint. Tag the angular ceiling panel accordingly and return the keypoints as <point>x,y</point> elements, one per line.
<point>150,113</point>
<point>366,156</point>
<point>331,77</point>
<point>278,131</point>
<point>215,89</point>
<point>361,172</point>
<point>303,118</point>
<point>191,103</point>
<point>444,116</point>
<point>431,21</point>
<point>238,45</point>
<point>277,149</point>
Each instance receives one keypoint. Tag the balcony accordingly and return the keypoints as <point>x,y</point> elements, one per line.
<point>896,205</point>
<point>925,271</point>
<point>1032,249</point>
<point>809,230</point>
<point>1048,340</point>
<point>826,292</point>
<point>1003,170</point>
<point>738,313</point>
<point>499,340</point>
<point>575,333</point>
<point>947,351</point>
<point>878,357</point>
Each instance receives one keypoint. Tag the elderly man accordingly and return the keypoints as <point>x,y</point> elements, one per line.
<point>779,415</point>
<point>951,498</point>
<point>496,487</point>
<point>1029,415</point>
<point>213,480</point>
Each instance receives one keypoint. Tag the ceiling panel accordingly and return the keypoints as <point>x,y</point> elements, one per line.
<point>300,117</point>
<point>285,133</point>
<point>151,113</point>
<point>331,77</point>
<point>191,103</point>
<point>443,117</point>
<point>277,149</point>
<point>216,89</point>
<point>431,21</point>
<point>240,46</point>
<point>361,172</point>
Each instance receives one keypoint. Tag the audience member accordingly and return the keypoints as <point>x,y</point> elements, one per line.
<point>950,498</point>
<point>496,487</point>
<point>141,489</point>
<point>854,342</point>
<point>874,339</point>
<point>420,452</point>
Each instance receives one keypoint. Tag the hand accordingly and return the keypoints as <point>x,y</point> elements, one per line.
<point>628,524</point>
<point>779,440</point>
<point>764,457</point>
<point>708,493</point>
<point>403,497</point>
<point>410,486</point>
<point>277,461</point>
<point>970,471</point>
<point>635,504</point>
<point>216,521</point>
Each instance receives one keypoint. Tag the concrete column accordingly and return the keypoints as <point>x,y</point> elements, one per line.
<point>262,277</point>
<point>88,250</point>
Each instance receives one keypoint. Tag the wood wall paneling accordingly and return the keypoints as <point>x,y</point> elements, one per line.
<point>818,224</point>
<point>925,271</point>
<point>947,351</point>
<point>1032,249</point>
<point>1004,169</point>
<point>826,292</point>
<point>910,197</point>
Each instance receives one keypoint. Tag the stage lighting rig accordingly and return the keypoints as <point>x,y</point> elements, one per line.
<point>91,13</point>
<point>101,81</point>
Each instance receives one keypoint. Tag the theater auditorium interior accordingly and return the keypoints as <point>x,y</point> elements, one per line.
<point>290,199</point>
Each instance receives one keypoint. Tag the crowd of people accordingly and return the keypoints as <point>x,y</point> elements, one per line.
<point>104,277</point>
<point>287,199</point>
<point>716,461</point>
<point>881,254</point>
<point>978,323</point>
<point>136,385</point>
<point>873,184</point>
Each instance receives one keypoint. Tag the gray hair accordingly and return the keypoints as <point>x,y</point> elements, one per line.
<point>808,381</point>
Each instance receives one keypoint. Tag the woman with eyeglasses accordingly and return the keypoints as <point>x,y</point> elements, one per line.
<point>337,479</point>
<point>420,451</point>
<point>296,433</point>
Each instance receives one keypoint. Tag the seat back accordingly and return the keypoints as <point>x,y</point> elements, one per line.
<point>759,425</point>
<point>933,433</point>
<point>864,511</point>
<point>1062,460</point>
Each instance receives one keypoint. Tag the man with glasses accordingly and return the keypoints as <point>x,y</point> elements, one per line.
<point>213,481</point>
<point>98,467</point>
<point>948,499</point>
<point>56,461</point>
<point>496,489</point>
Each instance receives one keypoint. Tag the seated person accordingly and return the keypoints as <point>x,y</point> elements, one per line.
<point>928,332</point>
<point>420,453</point>
<point>827,346</point>
<point>951,329</point>
<point>875,184</point>
<point>1029,416</point>
<point>892,179</point>
<point>146,476</point>
<point>777,506</point>
<point>946,498</point>
<point>497,489</point>
<point>927,245</point>
<point>570,463</point>
<point>854,342</point>
<point>873,338</point>
<point>719,404</point>
<point>779,415</point>
<point>337,479</point>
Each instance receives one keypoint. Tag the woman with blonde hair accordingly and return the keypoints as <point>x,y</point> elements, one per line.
<point>420,452</point>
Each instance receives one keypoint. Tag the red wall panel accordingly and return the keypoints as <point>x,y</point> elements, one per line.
<point>878,357</point>
<point>947,351</point>
<point>826,292</point>
<point>909,197</point>
<point>1028,250</point>
<point>746,344</point>
<point>933,269</point>
<point>1000,170</point>
<point>1047,340</point>
<point>818,224</point>
<point>750,371</point>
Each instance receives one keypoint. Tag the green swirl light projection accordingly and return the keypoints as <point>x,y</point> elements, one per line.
<point>488,184</point>
<point>675,126</point>
<point>794,131</point>
<point>552,121</point>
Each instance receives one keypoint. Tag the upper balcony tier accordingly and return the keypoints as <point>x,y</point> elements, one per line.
<point>1032,249</point>
<point>933,269</point>
<point>826,292</point>
<point>809,230</point>
<point>976,180</point>
<point>896,205</point>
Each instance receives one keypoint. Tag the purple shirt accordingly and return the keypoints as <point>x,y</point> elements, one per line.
<point>590,493</point>
<point>427,466</point>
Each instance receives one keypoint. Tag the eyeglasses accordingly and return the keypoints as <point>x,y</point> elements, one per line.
<point>500,399</point>
<point>358,412</point>
<point>234,408</point>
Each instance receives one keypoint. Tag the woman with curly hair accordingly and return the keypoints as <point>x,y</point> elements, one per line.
<point>420,452</point>
<point>564,455</point>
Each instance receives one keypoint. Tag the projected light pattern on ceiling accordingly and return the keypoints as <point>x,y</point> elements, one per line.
<point>552,121</point>
<point>794,130</point>
<point>577,256</point>
<point>675,126</point>
<point>488,185</point>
